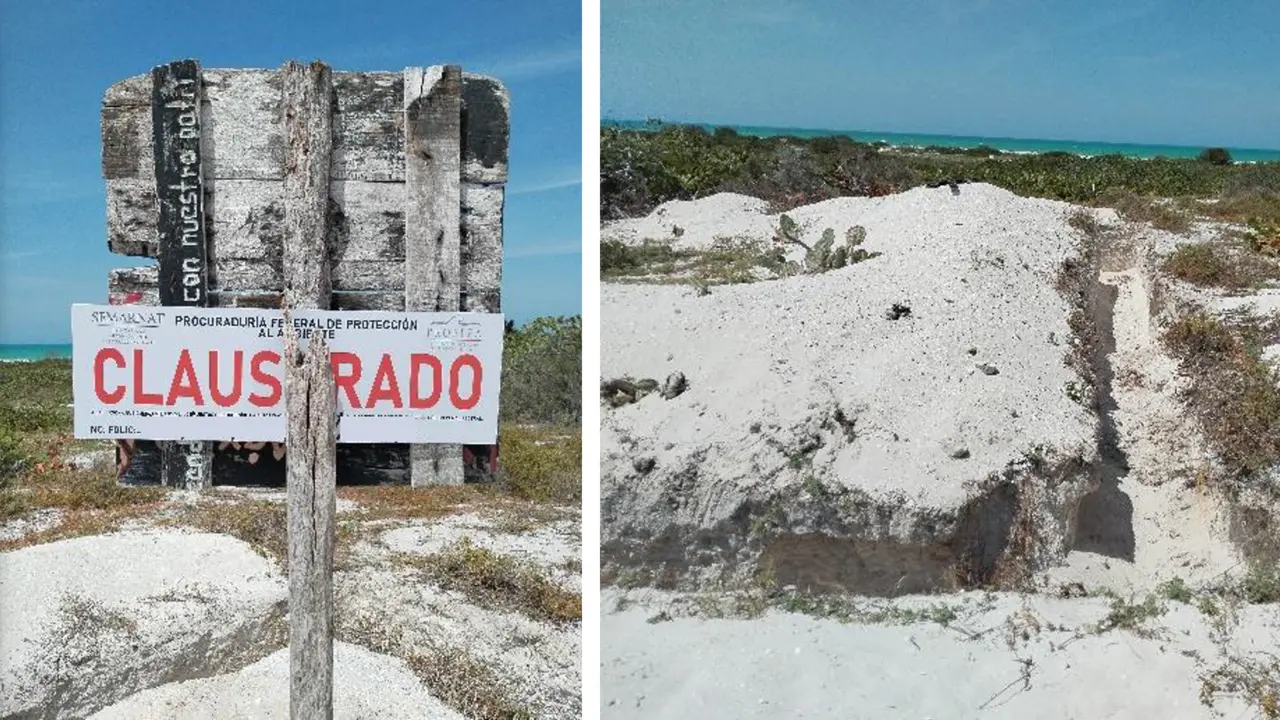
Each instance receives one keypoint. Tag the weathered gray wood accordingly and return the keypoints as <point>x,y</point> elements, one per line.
<point>180,143</point>
<point>137,286</point>
<point>310,392</point>
<point>366,223</point>
<point>311,406</point>
<point>433,160</point>
<point>308,112</point>
<point>246,129</point>
<point>481,248</point>
<point>245,122</point>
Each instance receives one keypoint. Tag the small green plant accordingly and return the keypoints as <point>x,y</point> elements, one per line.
<point>13,458</point>
<point>1234,394</point>
<point>1085,222</point>
<point>1214,265</point>
<point>1176,590</point>
<point>1263,236</point>
<point>1262,584</point>
<point>1125,615</point>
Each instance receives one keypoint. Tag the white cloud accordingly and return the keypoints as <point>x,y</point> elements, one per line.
<point>544,186</point>
<point>534,64</point>
<point>550,249</point>
<point>12,255</point>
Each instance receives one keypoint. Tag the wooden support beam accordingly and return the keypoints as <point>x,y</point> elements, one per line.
<point>310,393</point>
<point>182,238</point>
<point>311,405</point>
<point>433,180</point>
<point>308,113</point>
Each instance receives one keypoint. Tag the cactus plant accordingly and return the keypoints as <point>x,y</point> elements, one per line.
<point>819,256</point>
<point>789,232</point>
<point>854,236</point>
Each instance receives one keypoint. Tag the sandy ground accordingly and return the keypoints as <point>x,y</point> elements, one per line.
<point>1004,656</point>
<point>974,274</point>
<point>366,686</point>
<point>155,623</point>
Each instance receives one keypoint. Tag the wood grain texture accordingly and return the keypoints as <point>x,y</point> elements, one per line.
<point>242,110</point>
<point>245,144</point>
<point>308,113</point>
<point>179,141</point>
<point>481,248</point>
<point>433,222</point>
<point>311,407</point>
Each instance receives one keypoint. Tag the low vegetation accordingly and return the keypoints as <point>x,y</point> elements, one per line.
<point>1235,393</point>
<point>498,581</point>
<point>1220,264</point>
<point>641,169</point>
<point>43,468</point>
<point>542,372</point>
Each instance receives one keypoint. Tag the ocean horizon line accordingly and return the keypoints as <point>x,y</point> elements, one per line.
<point>1010,144</point>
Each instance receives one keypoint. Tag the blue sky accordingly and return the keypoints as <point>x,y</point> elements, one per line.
<point>57,58</point>
<point>1143,71</point>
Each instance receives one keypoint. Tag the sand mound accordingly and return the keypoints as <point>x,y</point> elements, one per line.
<point>696,224</point>
<point>91,620</point>
<point>366,686</point>
<point>917,409</point>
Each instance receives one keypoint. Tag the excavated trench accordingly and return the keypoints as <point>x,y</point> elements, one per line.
<point>1024,518</point>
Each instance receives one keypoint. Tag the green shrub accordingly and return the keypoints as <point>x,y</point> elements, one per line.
<point>542,372</point>
<point>1204,264</point>
<point>1234,394</point>
<point>643,168</point>
<point>542,464</point>
<point>1215,156</point>
<point>13,458</point>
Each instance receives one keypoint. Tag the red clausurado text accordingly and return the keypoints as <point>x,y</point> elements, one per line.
<point>414,381</point>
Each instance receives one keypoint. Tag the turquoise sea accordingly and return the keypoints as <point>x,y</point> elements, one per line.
<point>18,353</point>
<point>1024,145</point>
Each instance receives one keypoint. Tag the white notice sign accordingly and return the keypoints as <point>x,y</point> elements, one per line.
<point>180,373</point>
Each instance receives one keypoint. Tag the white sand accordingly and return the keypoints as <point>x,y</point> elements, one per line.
<point>366,686</point>
<point>766,365</point>
<point>795,666</point>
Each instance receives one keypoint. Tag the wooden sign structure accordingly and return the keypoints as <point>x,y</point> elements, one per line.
<point>306,188</point>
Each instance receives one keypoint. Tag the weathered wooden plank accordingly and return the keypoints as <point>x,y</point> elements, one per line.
<point>138,286</point>
<point>135,91</point>
<point>311,407</point>
<point>248,276</point>
<point>131,221</point>
<point>433,222</point>
<point>246,216</point>
<point>246,124</point>
<point>368,300</point>
<point>254,275</point>
<point>308,113</point>
<point>481,248</point>
<point>374,275</point>
<point>486,129</point>
<point>183,273</point>
<point>133,286</point>
<point>369,127</point>
<point>246,132</point>
<point>247,220</point>
<point>367,221</point>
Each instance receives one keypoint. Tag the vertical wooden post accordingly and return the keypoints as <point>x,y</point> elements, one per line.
<point>308,117</point>
<point>310,393</point>
<point>433,189</point>
<point>183,253</point>
<point>311,403</point>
